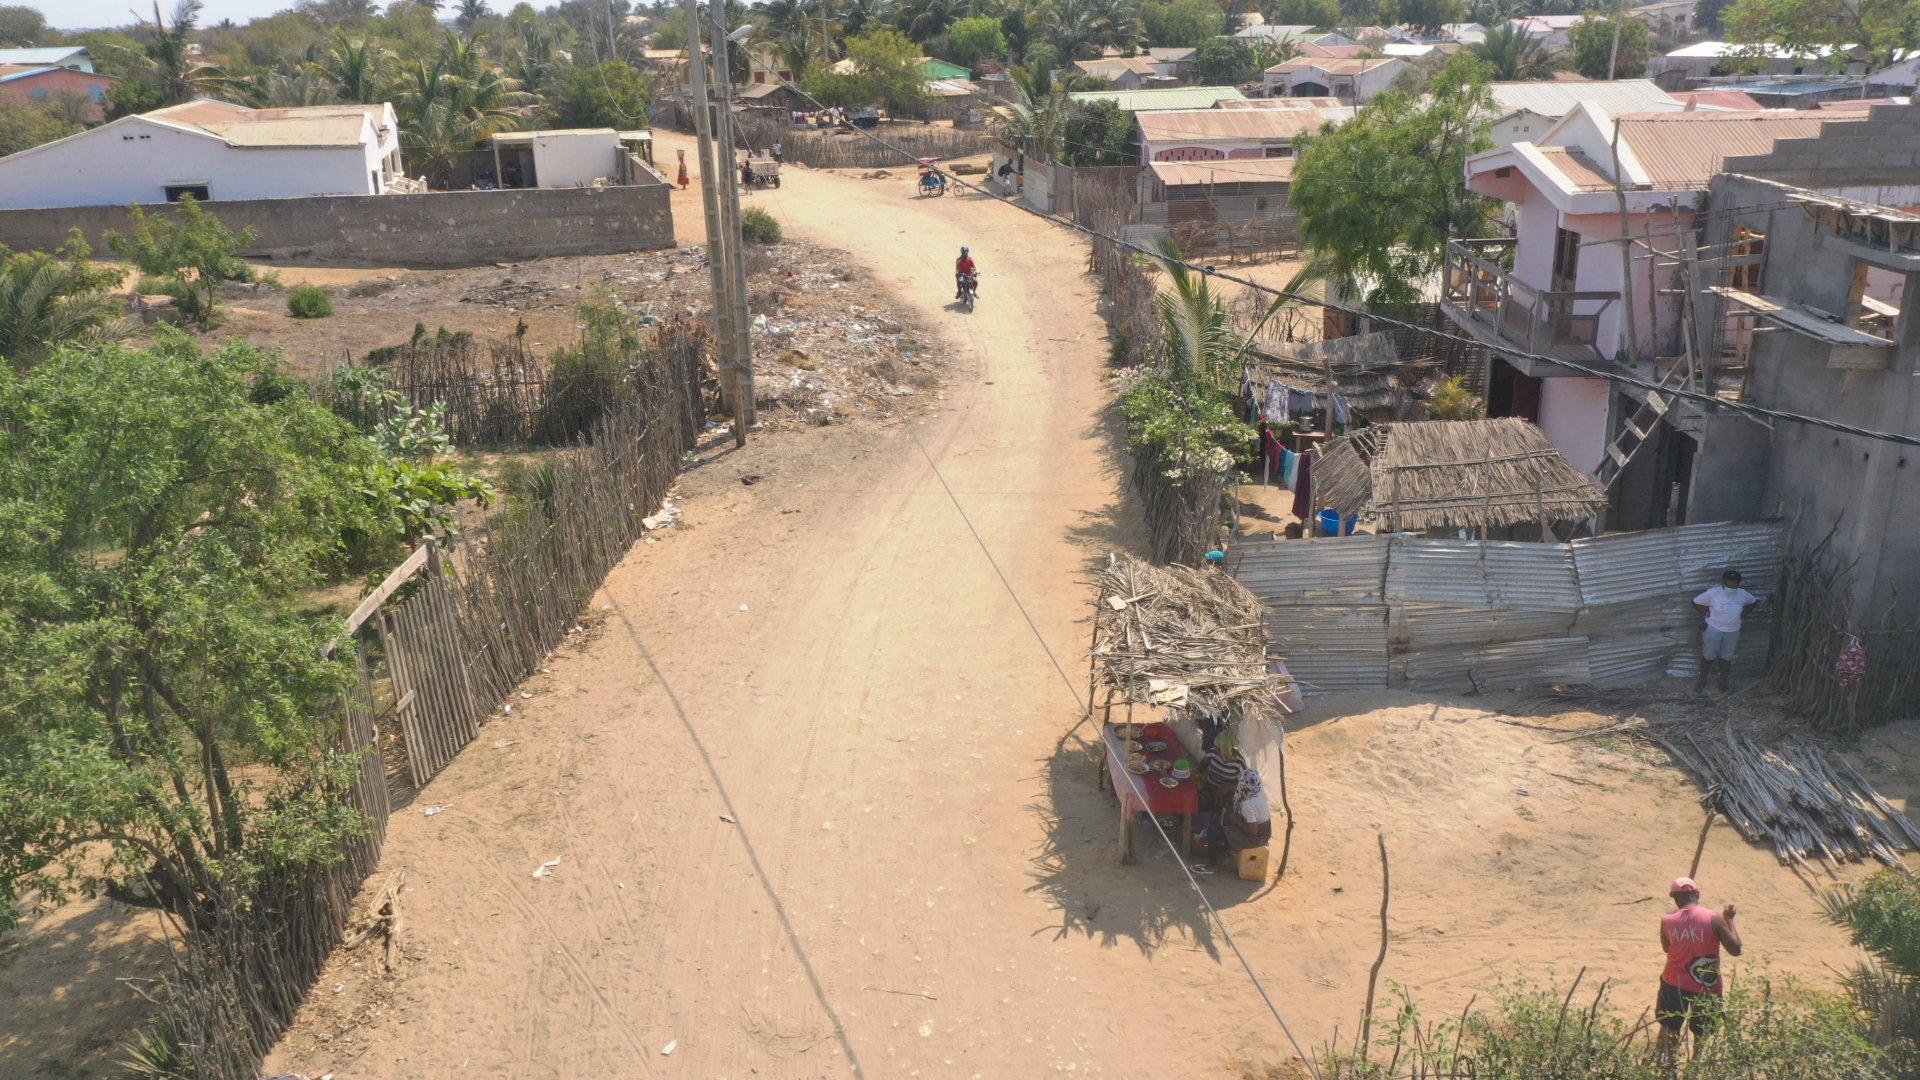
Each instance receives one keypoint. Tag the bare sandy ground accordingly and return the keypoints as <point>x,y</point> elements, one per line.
<point>824,806</point>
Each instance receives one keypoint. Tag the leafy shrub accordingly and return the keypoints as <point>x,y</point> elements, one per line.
<point>759,226</point>
<point>197,251</point>
<point>309,302</point>
<point>1451,400</point>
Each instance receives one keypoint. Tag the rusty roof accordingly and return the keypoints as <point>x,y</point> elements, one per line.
<point>1578,168</point>
<point>1225,125</point>
<point>1736,100</point>
<point>1228,171</point>
<point>1682,150</point>
<point>333,130</point>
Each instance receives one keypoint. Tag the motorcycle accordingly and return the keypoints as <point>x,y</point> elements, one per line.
<point>969,288</point>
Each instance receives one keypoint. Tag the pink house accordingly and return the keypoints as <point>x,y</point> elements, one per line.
<point>42,86</point>
<point>1566,294</point>
<point>1221,134</point>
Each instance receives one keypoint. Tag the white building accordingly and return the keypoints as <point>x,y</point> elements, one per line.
<point>558,157</point>
<point>1221,134</point>
<point>1553,32</point>
<point>210,150</point>
<point>1353,79</point>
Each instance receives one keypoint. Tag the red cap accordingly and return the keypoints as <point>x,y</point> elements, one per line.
<point>1683,884</point>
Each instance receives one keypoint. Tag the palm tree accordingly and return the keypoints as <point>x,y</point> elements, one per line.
<point>168,60</point>
<point>533,58</point>
<point>1035,121</point>
<point>857,17</point>
<point>1080,29</point>
<point>362,70</point>
<point>301,84</point>
<point>1201,345</point>
<point>1517,56</point>
<point>471,11</point>
<point>922,19</point>
<point>44,301</point>
<point>452,101</point>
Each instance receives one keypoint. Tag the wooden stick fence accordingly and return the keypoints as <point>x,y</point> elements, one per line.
<point>458,643</point>
<point>830,150</point>
<point>1812,615</point>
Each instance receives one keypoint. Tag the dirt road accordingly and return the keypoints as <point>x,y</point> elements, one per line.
<point>821,808</point>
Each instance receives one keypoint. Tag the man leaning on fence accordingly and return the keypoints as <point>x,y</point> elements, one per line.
<point>1722,606</point>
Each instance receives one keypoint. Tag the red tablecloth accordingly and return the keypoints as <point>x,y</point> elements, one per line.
<point>1183,799</point>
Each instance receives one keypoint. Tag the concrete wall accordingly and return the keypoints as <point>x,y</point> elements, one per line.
<point>135,160</point>
<point>451,228</point>
<point>1867,491</point>
<point>575,158</point>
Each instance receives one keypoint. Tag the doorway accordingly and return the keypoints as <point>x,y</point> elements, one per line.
<point>1511,393</point>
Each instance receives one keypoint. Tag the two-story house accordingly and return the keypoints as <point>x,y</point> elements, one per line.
<point>1560,286</point>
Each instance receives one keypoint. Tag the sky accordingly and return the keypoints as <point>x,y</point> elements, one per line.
<point>89,14</point>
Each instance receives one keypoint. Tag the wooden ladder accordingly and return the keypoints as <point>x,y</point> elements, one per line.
<point>1640,426</point>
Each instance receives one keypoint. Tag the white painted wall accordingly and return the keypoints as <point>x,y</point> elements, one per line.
<point>134,160</point>
<point>563,160</point>
<point>1521,125</point>
<point>1573,416</point>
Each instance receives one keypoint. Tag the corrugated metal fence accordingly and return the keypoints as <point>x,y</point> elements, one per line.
<point>1366,612</point>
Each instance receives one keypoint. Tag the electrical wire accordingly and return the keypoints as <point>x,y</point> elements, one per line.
<point>1086,709</point>
<point>1711,401</point>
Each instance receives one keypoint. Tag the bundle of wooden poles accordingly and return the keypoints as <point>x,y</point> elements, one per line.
<point>1786,793</point>
<point>1159,628</point>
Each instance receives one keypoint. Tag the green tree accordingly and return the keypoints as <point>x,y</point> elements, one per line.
<point>448,102</point>
<point>1877,33</point>
<point>168,59</point>
<point>1034,122</point>
<point>134,94</point>
<point>1098,133</point>
<point>1182,24</point>
<point>48,299</point>
<point>1380,196</point>
<point>1513,55</point>
<point>970,41</point>
<point>24,126</point>
<point>1080,29</point>
<point>610,95</point>
<point>1322,13</point>
<point>1592,41</point>
<point>884,69</point>
<point>1225,62</point>
<point>1426,16</point>
<point>361,70</point>
<point>922,19</point>
<point>196,255</point>
<point>1882,916</point>
<point>167,724</point>
<point>25,28</point>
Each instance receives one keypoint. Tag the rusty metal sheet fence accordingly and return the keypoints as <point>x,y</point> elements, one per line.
<point>1468,615</point>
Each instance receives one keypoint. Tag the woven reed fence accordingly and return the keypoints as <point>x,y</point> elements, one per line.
<point>845,150</point>
<point>477,626</point>
<point>1813,608</point>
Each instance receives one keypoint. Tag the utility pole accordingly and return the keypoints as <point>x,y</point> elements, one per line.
<point>716,245</point>
<point>730,226</point>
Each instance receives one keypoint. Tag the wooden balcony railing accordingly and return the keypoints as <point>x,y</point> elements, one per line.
<point>1510,309</point>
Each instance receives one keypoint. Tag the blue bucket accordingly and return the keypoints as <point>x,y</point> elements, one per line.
<point>1330,523</point>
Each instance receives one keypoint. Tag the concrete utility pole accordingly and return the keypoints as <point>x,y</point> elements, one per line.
<point>716,245</point>
<point>730,223</point>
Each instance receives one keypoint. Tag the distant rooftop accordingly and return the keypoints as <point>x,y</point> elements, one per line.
<point>1183,97</point>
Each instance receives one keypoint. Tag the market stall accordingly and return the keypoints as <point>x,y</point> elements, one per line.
<point>1187,649</point>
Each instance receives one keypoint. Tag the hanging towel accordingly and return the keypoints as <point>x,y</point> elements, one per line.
<point>1303,487</point>
<point>1289,464</point>
<point>1342,412</point>
<point>1300,403</point>
<point>1276,407</point>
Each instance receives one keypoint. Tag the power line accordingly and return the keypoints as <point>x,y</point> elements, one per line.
<point>1086,709</point>
<point>1495,348</point>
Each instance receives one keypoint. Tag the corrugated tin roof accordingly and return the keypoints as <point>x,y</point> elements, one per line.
<point>1173,56</point>
<point>1721,99</point>
<point>1580,170</point>
<point>1138,65</point>
<point>1559,98</point>
<point>49,57</point>
<point>1682,150</point>
<point>1184,97</point>
<point>1225,125</point>
<point>1230,171</point>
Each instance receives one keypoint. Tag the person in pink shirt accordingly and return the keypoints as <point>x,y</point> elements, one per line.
<point>1691,936</point>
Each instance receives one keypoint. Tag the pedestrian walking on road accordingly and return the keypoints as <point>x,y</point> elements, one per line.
<point>1690,986</point>
<point>683,169</point>
<point>779,154</point>
<point>1722,607</point>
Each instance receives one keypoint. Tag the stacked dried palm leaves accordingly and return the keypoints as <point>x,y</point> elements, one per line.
<point>1180,637</point>
<point>1763,772</point>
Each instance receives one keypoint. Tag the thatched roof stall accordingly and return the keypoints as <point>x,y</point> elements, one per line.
<point>1192,642</point>
<point>1454,474</point>
<point>1365,369</point>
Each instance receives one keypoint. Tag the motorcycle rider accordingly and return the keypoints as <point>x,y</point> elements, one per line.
<point>963,268</point>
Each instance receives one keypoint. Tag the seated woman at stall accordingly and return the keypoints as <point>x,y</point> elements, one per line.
<point>1241,817</point>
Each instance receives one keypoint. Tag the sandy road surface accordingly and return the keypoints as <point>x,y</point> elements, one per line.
<point>820,812</point>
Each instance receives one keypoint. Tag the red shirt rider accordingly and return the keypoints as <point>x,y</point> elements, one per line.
<point>1691,935</point>
<point>962,267</point>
